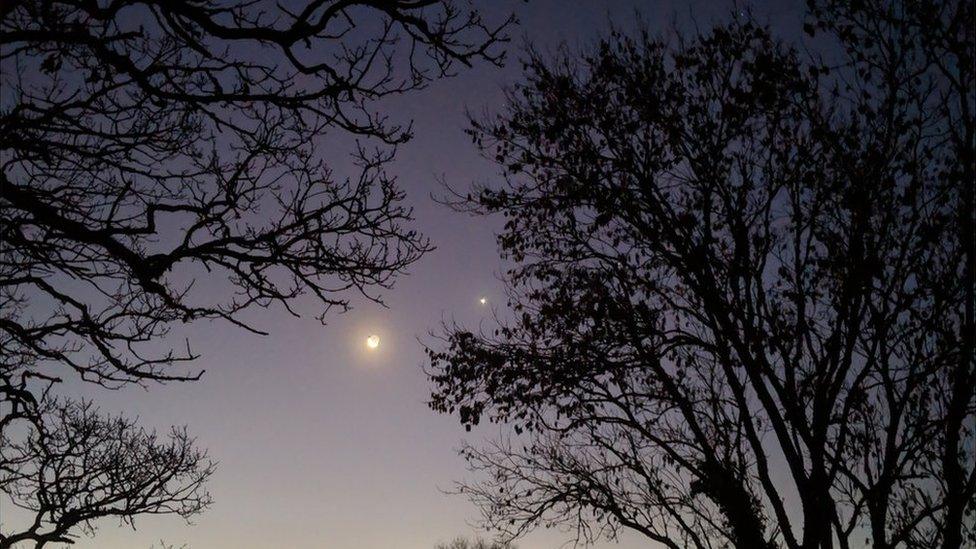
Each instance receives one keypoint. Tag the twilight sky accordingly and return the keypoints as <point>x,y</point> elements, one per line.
<point>322,444</point>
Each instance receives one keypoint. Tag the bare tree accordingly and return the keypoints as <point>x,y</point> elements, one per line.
<point>741,289</point>
<point>88,467</point>
<point>148,146</point>
<point>143,137</point>
<point>478,543</point>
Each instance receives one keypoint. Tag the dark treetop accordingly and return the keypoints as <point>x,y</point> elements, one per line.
<point>742,288</point>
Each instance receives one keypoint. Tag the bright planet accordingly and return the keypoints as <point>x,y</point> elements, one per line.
<point>373,341</point>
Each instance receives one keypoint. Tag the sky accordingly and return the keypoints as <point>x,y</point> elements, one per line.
<point>322,444</point>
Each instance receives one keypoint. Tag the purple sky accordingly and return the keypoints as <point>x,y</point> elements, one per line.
<point>322,444</point>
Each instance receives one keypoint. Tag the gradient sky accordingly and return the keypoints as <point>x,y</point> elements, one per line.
<point>322,444</point>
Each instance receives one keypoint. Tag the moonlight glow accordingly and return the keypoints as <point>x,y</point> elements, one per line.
<point>483,301</point>
<point>373,341</point>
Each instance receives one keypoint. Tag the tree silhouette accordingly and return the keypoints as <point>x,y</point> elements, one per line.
<point>463,543</point>
<point>89,467</point>
<point>741,288</point>
<point>148,146</point>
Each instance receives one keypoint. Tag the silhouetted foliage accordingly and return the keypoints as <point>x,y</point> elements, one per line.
<point>148,146</point>
<point>75,466</point>
<point>478,543</point>
<point>741,288</point>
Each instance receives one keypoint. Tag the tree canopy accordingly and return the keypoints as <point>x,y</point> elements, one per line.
<point>162,163</point>
<point>741,288</point>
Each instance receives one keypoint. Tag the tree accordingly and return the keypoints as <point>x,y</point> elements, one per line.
<point>90,467</point>
<point>151,145</point>
<point>741,289</point>
<point>463,543</point>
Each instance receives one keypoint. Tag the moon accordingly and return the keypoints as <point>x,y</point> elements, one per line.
<point>373,341</point>
<point>483,301</point>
